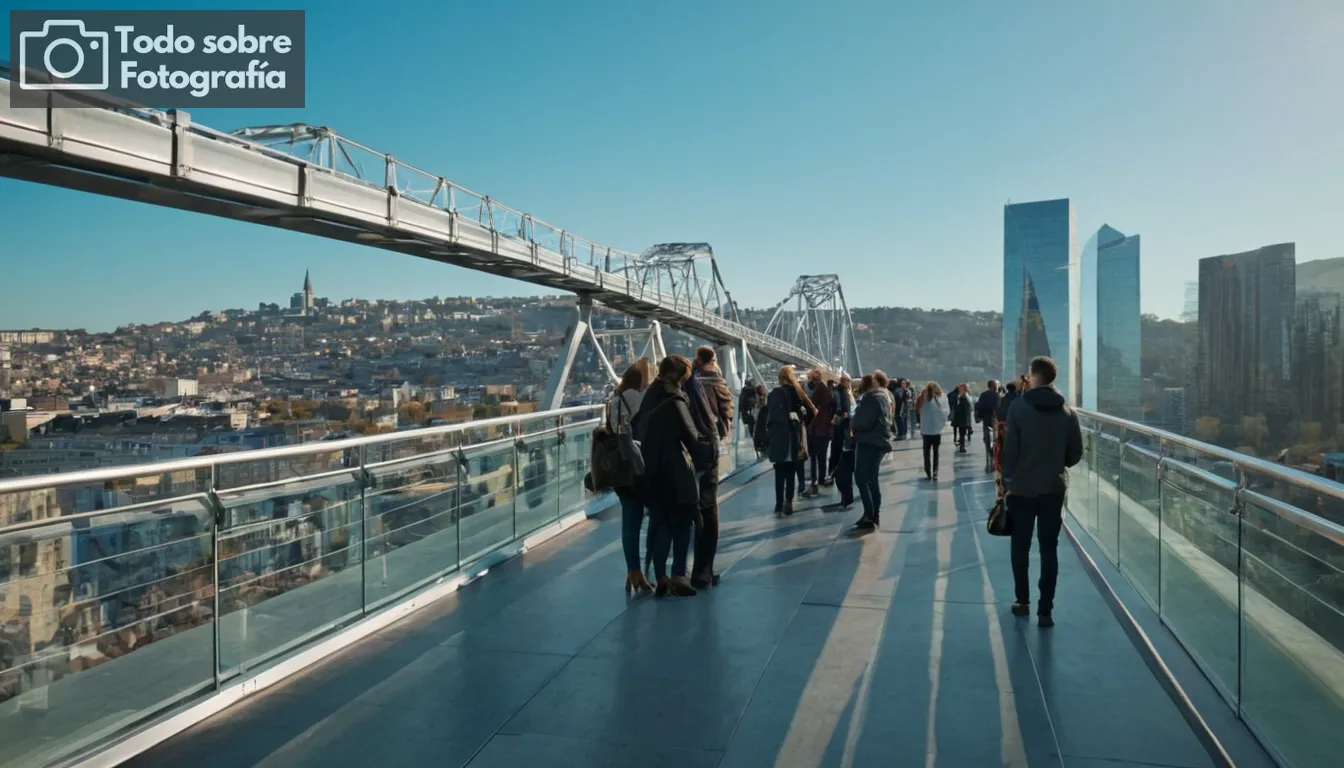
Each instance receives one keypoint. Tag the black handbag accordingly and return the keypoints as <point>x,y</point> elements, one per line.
<point>1000,522</point>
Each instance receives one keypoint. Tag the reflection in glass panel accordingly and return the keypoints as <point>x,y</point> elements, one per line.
<point>101,621</point>
<point>575,453</point>
<point>539,483</point>
<point>411,526</point>
<point>1139,521</point>
<point>289,566</point>
<point>1110,339</point>
<point>1293,635</point>
<point>487,501</point>
<point>1199,572</point>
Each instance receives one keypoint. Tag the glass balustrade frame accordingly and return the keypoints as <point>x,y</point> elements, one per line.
<point>1250,584</point>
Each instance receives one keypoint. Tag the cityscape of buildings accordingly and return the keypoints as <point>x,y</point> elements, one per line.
<point>1266,375</point>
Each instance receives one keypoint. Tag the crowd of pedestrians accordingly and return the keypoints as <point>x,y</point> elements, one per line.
<point>820,432</point>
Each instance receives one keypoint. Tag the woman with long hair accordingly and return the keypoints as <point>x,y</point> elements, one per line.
<point>625,402</point>
<point>787,411</point>
<point>932,421</point>
<point>819,430</point>
<point>670,488</point>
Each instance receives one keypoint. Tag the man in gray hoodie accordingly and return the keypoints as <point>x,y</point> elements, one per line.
<point>1042,440</point>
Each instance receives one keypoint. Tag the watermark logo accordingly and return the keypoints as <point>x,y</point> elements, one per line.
<point>164,59</point>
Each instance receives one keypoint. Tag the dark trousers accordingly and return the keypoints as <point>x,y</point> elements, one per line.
<point>671,525</point>
<point>784,474</point>
<point>902,424</point>
<point>837,445</point>
<point>817,448</point>
<point>1045,514</point>
<point>844,477</point>
<point>632,520</point>
<point>707,525</point>
<point>931,445</point>
<point>867,463</point>
<point>800,467</point>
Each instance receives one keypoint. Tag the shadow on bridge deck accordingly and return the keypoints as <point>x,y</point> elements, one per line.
<point>894,649</point>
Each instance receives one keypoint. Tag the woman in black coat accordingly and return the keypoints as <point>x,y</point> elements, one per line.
<point>670,489</point>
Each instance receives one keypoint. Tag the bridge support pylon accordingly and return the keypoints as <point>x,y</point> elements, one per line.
<point>555,386</point>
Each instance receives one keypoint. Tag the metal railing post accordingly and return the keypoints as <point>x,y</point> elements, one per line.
<point>217,520</point>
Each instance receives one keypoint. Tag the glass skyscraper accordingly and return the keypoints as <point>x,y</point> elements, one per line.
<point>1040,289</point>
<point>1110,325</point>
<point>1246,305</point>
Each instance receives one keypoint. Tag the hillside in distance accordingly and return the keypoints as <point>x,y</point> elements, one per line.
<point>1321,275</point>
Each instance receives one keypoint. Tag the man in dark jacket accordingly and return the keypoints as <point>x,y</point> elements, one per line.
<point>871,426</point>
<point>986,412</point>
<point>1043,439</point>
<point>716,403</point>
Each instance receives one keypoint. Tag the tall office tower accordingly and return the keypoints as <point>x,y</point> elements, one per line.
<point>1318,363</point>
<point>1190,312</point>
<point>1243,367</point>
<point>1110,327</point>
<point>1040,289</point>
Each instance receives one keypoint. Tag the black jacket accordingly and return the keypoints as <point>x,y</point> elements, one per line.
<point>1006,402</point>
<point>1043,439</point>
<point>668,437</point>
<point>987,407</point>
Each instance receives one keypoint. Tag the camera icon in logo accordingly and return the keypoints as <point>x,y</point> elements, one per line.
<point>50,50</point>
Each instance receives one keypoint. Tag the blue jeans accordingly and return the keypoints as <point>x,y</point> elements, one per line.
<point>867,462</point>
<point>632,520</point>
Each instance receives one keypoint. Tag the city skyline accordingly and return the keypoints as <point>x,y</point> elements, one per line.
<point>742,180</point>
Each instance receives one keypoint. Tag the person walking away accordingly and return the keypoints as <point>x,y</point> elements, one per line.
<point>872,426</point>
<point>760,433</point>
<point>625,402</point>
<point>671,490</point>
<point>717,400</point>
<point>932,419</point>
<point>747,404</point>
<point>1043,439</point>
<point>819,431</point>
<point>786,409</point>
<point>898,399</point>
<point>962,411</point>
<point>844,405</point>
<point>986,413</point>
<point>844,470</point>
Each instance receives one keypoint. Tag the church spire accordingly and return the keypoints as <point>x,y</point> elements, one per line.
<point>307,283</point>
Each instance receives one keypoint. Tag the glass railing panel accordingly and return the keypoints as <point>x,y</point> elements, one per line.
<point>46,503</point>
<point>1292,663</point>
<point>575,453</point>
<point>289,566</point>
<point>1106,475</point>
<point>290,466</point>
<point>538,482</point>
<point>1199,566</point>
<point>410,526</point>
<point>103,620</point>
<point>487,499</point>
<point>1140,521</point>
<point>411,444</point>
<point>1082,495</point>
<point>538,426</point>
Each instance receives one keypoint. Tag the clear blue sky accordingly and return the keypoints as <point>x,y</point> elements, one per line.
<point>879,140</point>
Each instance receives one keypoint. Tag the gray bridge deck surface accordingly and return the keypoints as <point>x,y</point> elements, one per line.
<point>894,649</point>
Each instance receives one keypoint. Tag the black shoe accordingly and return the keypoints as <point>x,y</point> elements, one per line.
<point>866,524</point>
<point>788,508</point>
<point>1021,609</point>
<point>1044,621</point>
<point>779,510</point>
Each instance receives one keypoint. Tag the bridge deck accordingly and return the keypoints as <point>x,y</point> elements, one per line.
<point>894,649</point>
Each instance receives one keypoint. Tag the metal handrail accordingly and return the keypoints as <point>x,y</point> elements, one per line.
<point>109,474</point>
<point>1277,471</point>
<point>1308,520</point>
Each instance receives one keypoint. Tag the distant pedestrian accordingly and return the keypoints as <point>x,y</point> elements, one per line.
<point>932,422</point>
<point>874,419</point>
<point>788,409</point>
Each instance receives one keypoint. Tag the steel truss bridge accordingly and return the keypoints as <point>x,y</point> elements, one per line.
<point>310,179</point>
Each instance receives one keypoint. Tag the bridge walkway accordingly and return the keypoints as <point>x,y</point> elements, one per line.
<point>818,648</point>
